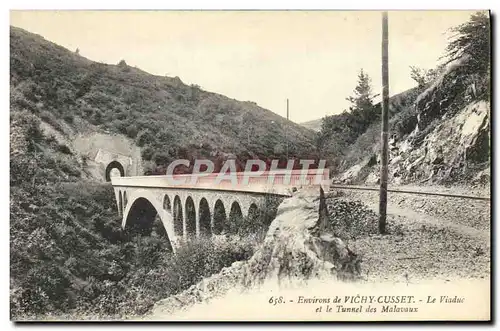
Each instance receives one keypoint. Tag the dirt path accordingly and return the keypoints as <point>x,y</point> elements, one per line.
<point>418,217</point>
<point>436,238</point>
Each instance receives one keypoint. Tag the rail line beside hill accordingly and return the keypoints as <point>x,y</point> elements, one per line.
<point>367,188</point>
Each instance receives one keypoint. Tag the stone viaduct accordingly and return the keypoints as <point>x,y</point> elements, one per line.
<point>203,208</point>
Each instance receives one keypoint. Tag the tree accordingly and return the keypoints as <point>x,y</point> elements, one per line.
<point>472,43</point>
<point>132,131</point>
<point>362,101</point>
<point>425,77</point>
<point>419,75</point>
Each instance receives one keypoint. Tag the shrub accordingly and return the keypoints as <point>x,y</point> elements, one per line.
<point>69,118</point>
<point>405,122</point>
<point>162,158</point>
<point>64,149</point>
<point>352,219</point>
<point>202,257</point>
<point>145,137</point>
<point>69,167</point>
<point>147,153</point>
<point>132,131</point>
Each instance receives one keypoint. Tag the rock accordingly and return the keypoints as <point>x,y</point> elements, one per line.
<point>300,244</point>
<point>482,177</point>
<point>437,160</point>
<point>396,160</point>
<point>372,178</point>
<point>450,143</point>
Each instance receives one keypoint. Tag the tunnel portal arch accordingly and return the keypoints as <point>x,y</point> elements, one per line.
<point>114,165</point>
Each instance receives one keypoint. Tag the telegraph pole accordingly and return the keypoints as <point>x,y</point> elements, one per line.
<point>385,125</point>
<point>286,129</point>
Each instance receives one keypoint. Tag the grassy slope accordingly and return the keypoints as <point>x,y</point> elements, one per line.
<point>314,125</point>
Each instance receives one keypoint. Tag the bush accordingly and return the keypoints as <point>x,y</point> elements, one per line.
<point>162,158</point>
<point>147,153</point>
<point>69,167</point>
<point>64,149</point>
<point>132,131</point>
<point>352,220</point>
<point>202,257</point>
<point>69,118</point>
<point>145,137</point>
<point>405,122</point>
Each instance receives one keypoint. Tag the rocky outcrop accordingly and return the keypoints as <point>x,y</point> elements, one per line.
<point>299,245</point>
<point>448,151</point>
<point>452,133</point>
<point>437,99</point>
<point>450,142</point>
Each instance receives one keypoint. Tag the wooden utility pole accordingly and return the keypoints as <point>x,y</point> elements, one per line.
<point>286,129</point>
<point>385,125</point>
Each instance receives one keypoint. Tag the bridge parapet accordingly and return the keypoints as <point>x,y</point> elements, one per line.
<point>269,182</point>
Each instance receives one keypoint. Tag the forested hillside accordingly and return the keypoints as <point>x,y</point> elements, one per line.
<point>164,117</point>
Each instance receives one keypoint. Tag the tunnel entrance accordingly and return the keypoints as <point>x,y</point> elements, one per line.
<point>113,169</point>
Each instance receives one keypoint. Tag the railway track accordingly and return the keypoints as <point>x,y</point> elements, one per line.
<point>368,188</point>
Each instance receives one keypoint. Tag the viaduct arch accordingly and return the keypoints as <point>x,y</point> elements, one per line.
<point>186,213</point>
<point>206,207</point>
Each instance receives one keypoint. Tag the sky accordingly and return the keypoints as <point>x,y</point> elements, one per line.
<point>310,57</point>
